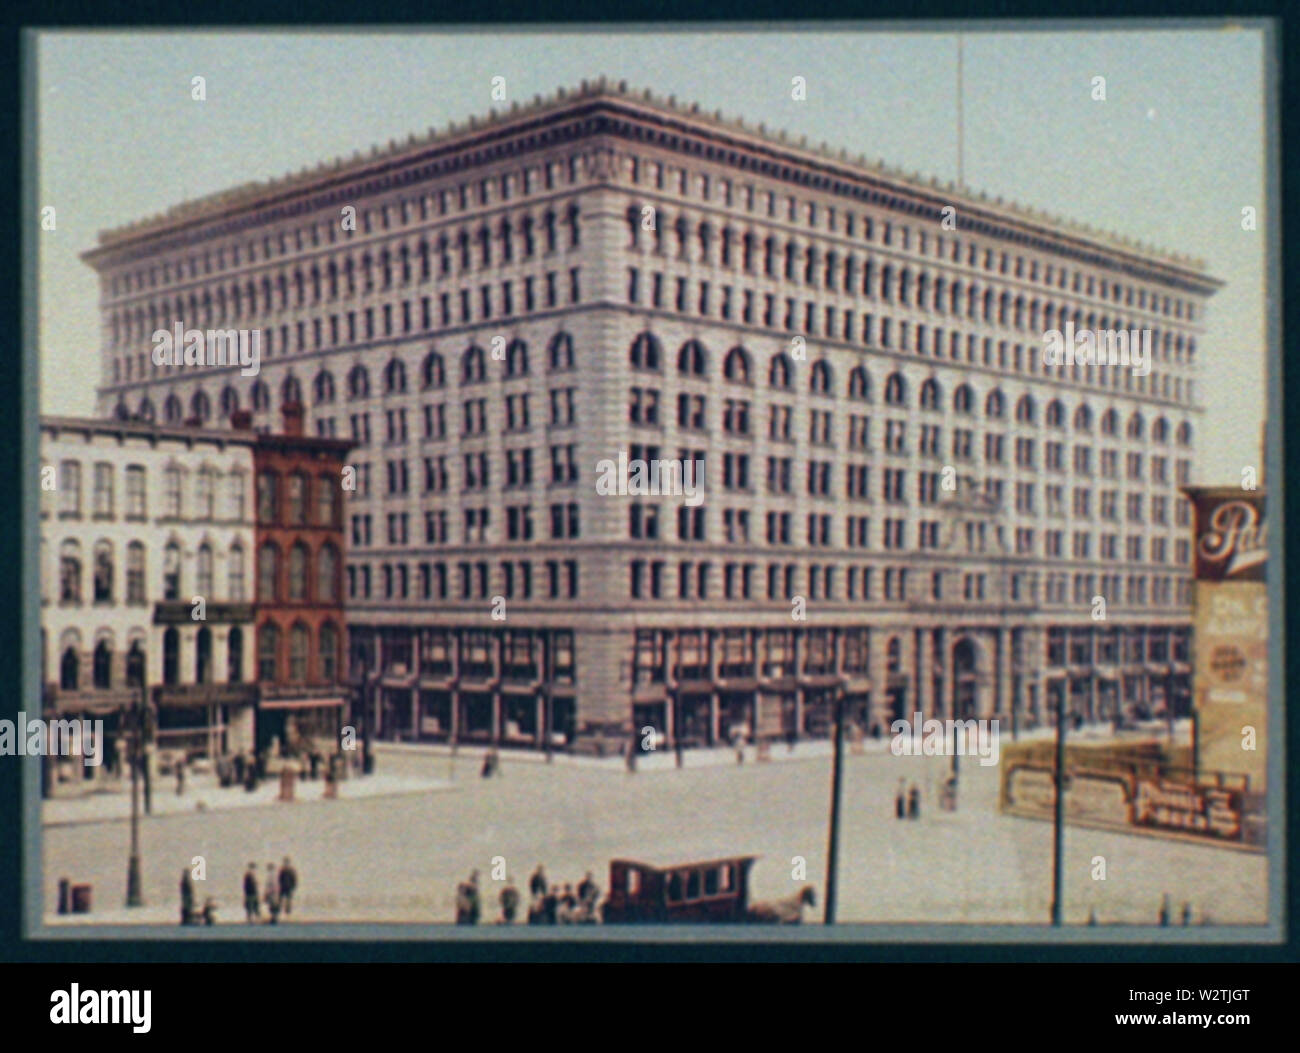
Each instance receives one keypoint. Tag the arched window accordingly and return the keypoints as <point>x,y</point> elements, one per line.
<point>323,387</point>
<point>1109,422</point>
<point>235,655</point>
<point>268,573</point>
<point>268,653</point>
<point>1026,412</point>
<point>735,366</point>
<point>1083,418</point>
<point>1160,430</point>
<point>203,656</point>
<point>859,383</point>
<point>70,669</point>
<point>172,571</point>
<point>820,381</point>
<point>326,500</point>
<point>327,575</point>
<point>297,499</point>
<point>995,405</point>
<point>268,497</point>
<point>146,410</point>
<point>896,390</point>
<point>931,394</point>
<point>298,561</point>
<point>299,647</point>
<point>171,656</point>
<point>517,359</point>
<point>261,396</point>
<point>103,665</point>
<point>1055,414</point>
<point>692,359</point>
<point>780,372</point>
<point>358,383</point>
<point>204,571</point>
<point>135,665</point>
<point>229,402</point>
<point>103,581</point>
<point>394,377</point>
<point>1136,426</point>
<point>433,373</point>
<point>646,353</point>
<point>560,352</point>
<point>473,367</point>
<point>290,390</point>
<point>172,411</point>
<point>1184,434</point>
<point>235,573</point>
<point>329,653</point>
<point>963,399</point>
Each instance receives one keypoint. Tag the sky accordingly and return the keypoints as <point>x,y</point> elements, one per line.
<point>1171,157</point>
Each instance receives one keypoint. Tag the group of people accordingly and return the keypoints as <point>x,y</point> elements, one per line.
<point>907,802</point>
<point>550,904</point>
<point>277,892</point>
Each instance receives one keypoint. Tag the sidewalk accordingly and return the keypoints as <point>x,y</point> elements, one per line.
<point>203,794</point>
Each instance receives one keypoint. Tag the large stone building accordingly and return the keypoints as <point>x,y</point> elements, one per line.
<point>492,310</point>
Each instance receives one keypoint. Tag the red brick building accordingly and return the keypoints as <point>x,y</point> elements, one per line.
<point>299,627</point>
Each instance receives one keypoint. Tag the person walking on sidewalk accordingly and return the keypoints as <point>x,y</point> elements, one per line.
<point>900,800</point>
<point>252,904</point>
<point>914,802</point>
<point>272,894</point>
<point>288,883</point>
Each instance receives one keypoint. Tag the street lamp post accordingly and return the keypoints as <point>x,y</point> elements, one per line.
<point>133,894</point>
<point>833,851</point>
<point>1058,843</point>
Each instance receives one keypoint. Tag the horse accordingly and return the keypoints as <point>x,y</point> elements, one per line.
<point>788,911</point>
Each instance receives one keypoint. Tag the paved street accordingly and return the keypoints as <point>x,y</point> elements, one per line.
<point>398,858</point>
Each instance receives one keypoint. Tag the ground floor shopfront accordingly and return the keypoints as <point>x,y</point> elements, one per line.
<point>540,687</point>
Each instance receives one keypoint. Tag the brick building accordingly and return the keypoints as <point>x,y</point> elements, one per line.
<point>606,272</point>
<point>299,620</point>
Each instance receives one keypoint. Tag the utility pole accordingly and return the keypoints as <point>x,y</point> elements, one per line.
<point>1058,847</point>
<point>133,896</point>
<point>834,849</point>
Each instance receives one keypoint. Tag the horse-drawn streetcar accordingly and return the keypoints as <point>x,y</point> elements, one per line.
<point>714,891</point>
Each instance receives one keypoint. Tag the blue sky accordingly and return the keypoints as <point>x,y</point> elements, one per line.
<point>1170,158</point>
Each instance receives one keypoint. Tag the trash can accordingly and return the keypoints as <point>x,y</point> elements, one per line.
<point>80,899</point>
<point>287,779</point>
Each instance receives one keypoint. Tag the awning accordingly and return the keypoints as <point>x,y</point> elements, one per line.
<point>301,703</point>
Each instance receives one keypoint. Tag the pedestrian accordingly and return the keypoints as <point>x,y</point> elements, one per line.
<point>536,912</point>
<point>272,894</point>
<point>509,900</point>
<point>209,911</point>
<point>738,741</point>
<point>537,883</point>
<point>586,886</point>
<point>900,800</point>
<point>467,901</point>
<point>550,906</point>
<point>630,758</point>
<point>914,802</point>
<point>180,777</point>
<point>288,883</point>
<point>1164,909</point>
<point>1187,913</point>
<point>187,897</point>
<point>252,904</point>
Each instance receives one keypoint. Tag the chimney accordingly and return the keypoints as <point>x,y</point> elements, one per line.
<point>292,413</point>
<point>241,420</point>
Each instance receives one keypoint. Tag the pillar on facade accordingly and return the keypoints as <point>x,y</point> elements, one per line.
<point>1003,701</point>
<point>923,666</point>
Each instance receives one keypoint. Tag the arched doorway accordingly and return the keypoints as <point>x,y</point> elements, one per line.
<point>965,679</point>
